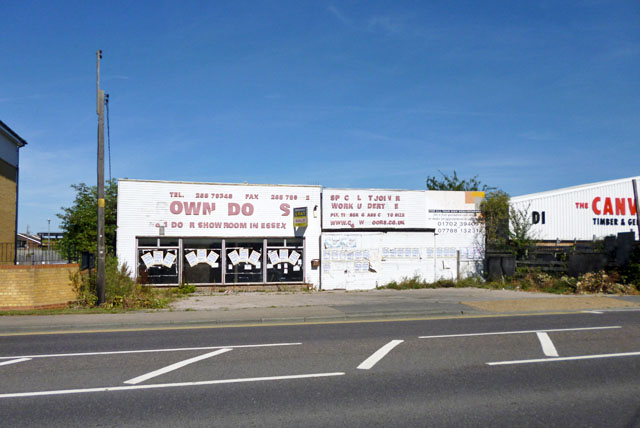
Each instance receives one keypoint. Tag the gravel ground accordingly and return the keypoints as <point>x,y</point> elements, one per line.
<point>566,303</point>
<point>483,299</point>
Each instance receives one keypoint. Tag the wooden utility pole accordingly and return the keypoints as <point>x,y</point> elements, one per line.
<point>100,262</point>
<point>635,197</point>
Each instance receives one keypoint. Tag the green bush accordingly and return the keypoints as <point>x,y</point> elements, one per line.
<point>630,273</point>
<point>121,291</point>
<point>185,288</point>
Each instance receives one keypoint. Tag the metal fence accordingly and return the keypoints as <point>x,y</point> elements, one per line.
<point>35,256</point>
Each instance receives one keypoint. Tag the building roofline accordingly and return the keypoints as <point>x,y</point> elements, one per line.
<point>364,189</point>
<point>572,189</point>
<point>29,238</point>
<point>18,140</point>
<point>215,183</point>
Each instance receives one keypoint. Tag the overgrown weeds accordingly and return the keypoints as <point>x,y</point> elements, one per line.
<point>121,291</point>
<point>416,282</point>
<point>184,289</point>
<point>530,280</point>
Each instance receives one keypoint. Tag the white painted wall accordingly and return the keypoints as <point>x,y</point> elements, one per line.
<point>8,150</point>
<point>365,260</point>
<point>215,210</point>
<point>355,259</point>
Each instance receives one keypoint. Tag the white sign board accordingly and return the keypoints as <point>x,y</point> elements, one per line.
<point>373,209</point>
<point>582,212</point>
<point>202,209</point>
<point>451,212</point>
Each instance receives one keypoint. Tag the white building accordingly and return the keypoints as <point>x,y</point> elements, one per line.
<point>585,212</point>
<point>217,234</point>
<point>372,237</point>
<point>233,234</point>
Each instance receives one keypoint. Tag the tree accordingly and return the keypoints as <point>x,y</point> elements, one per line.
<point>520,234</point>
<point>506,228</point>
<point>79,222</point>
<point>494,216</point>
<point>454,183</point>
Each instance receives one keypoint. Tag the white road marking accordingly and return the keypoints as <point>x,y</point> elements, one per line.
<point>547,345</point>
<point>19,360</point>
<point>167,385</point>
<point>592,312</point>
<point>175,366</point>
<point>141,351</point>
<point>378,355</point>
<point>580,357</point>
<point>493,333</point>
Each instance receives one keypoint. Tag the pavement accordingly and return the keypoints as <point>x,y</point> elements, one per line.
<point>241,308</point>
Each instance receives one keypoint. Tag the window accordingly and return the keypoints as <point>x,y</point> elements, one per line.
<point>171,260</point>
<point>158,265</point>
<point>201,261</point>
<point>285,260</point>
<point>243,261</point>
<point>147,242</point>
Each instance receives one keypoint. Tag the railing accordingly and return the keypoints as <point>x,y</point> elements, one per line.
<point>32,256</point>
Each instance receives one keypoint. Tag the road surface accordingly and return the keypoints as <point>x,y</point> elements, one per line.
<point>527,371</point>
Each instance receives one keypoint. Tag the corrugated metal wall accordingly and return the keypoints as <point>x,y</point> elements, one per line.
<point>581,212</point>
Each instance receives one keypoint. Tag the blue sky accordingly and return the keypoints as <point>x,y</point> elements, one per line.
<point>529,96</point>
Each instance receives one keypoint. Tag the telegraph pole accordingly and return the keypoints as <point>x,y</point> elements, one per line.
<point>100,262</point>
<point>635,197</point>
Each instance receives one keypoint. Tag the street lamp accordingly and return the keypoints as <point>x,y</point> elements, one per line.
<point>49,240</point>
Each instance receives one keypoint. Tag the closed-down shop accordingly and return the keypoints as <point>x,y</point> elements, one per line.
<point>218,234</point>
<point>211,234</point>
<point>371,237</point>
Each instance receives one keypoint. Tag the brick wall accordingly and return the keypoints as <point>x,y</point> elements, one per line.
<point>35,287</point>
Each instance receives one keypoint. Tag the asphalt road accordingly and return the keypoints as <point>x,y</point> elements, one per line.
<point>446,372</point>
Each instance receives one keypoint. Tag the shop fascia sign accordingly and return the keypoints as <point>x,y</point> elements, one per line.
<point>381,209</point>
<point>222,208</point>
<point>603,211</point>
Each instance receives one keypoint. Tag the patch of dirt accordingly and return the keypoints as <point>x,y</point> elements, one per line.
<point>552,304</point>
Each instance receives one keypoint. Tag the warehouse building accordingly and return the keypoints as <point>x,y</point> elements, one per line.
<point>245,234</point>
<point>581,213</point>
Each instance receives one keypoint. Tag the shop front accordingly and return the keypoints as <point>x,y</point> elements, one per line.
<point>218,234</point>
<point>371,237</point>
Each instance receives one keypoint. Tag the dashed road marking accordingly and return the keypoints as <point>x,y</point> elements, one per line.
<point>378,355</point>
<point>493,333</point>
<point>142,351</point>
<point>18,360</point>
<point>167,385</point>
<point>175,366</point>
<point>547,345</point>
<point>579,357</point>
